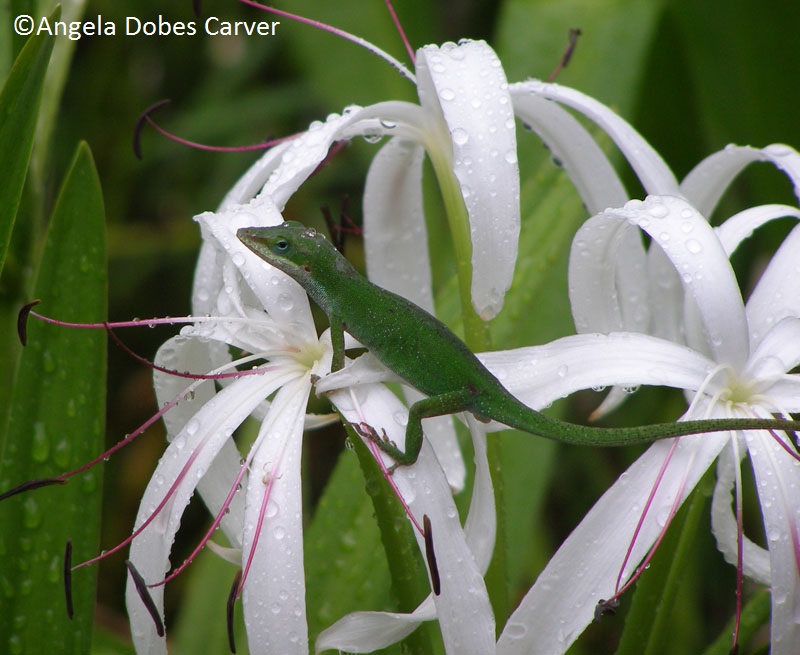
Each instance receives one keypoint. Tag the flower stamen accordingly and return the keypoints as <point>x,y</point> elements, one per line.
<point>68,579</point>
<point>146,118</point>
<point>230,606</point>
<point>338,32</point>
<point>147,599</point>
<point>400,30</point>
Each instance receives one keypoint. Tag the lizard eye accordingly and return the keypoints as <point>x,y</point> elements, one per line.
<point>282,245</point>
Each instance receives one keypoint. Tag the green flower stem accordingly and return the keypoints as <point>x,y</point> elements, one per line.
<point>478,337</point>
<point>476,330</point>
<point>409,574</point>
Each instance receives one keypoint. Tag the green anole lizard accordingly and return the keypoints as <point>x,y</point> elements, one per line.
<point>428,356</point>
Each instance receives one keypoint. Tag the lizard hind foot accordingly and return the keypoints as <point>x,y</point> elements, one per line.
<point>381,440</point>
<point>368,432</point>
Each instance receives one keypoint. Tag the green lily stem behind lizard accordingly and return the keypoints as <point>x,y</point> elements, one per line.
<point>428,356</point>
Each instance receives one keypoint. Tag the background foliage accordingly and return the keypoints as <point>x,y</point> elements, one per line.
<point>691,76</point>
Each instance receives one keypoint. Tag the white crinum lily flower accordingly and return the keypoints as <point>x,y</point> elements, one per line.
<point>736,361</point>
<point>259,311</point>
<point>243,303</point>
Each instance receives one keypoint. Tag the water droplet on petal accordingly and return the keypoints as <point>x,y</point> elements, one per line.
<point>694,246</point>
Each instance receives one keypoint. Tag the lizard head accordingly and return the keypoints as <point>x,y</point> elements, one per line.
<point>291,247</point>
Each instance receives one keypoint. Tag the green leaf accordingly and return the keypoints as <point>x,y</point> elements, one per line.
<point>56,424</point>
<point>19,108</point>
<point>755,616</point>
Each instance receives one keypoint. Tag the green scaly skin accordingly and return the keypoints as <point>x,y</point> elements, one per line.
<point>426,354</point>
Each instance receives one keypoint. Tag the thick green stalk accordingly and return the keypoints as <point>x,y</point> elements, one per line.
<point>476,330</point>
<point>409,576</point>
<point>478,337</point>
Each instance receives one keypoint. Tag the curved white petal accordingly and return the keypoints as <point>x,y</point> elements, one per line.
<point>274,589</point>
<point>281,171</point>
<point>777,294</point>
<point>462,608</point>
<point>740,226</point>
<point>706,182</point>
<point>200,356</point>
<point>777,480</point>
<point>715,319</point>
<point>196,446</point>
<point>777,353</point>
<point>284,167</point>
<point>607,281</point>
<point>755,560</point>
<point>655,175</point>
<point>481,524</point>
<point>395,236</point>
<point>540,375</point>
<point>465,88</point>
<point>573,148</point>
<point>584,570</point>
<point>364,632</point>
<point>244,279</point>
<point>785,393</point>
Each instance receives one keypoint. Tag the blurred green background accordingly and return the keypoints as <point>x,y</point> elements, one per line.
<point>691,76</point>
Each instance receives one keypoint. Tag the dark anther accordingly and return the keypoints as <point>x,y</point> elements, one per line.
<point>606,608</point>
<point>30,485</point>
<point>147,599</point>
<point>22,321</point>
<point>574,33</point>
<point>68,579</point>
<point>197,6</point>
<point>144,118</point>
<point>237,580</point>
<point>430,554</point>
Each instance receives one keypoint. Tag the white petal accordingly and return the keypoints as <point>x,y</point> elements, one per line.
<point>607,280</point>
<point>284,168</point>
<point>706,183</point>
<point>785,393</point>
<point>777,294</point>
<point>740,226</point>
<point>196,445</point>
<point>708,279</point>
<point>481,523</point>
<point>274,589</point>
<point>465,85</point>
<point>199,356</point>
<point>777,480</point>
<point>655,175</point>
<point>395,236</point>
<point>755,560</point>
<point>776,354</point>
<point>248,186</point>
<point>540,375</point>
<point>249,280</point>
<point>584,570</point>
<point>573,147</point>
